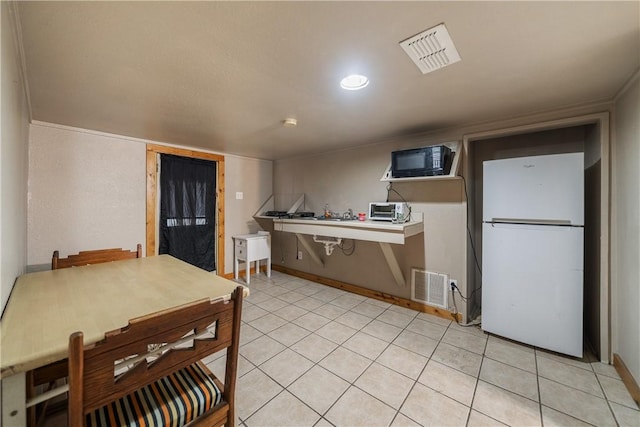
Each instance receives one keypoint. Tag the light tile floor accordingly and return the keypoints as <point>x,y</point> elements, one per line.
<point>329,357</point>
<point>313,355</point>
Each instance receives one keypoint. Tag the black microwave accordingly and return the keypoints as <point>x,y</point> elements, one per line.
<point>426,161</point>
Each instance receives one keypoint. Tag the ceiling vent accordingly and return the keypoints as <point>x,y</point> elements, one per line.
<point>431,49</point>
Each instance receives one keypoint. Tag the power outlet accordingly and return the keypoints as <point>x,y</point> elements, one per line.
<point>452,283</point>
<point>299,255</point>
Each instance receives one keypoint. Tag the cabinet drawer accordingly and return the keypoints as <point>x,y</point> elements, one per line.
<point>241,252</point>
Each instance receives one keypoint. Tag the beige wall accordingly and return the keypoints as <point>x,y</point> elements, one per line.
<point>626,228</point>
<point>351,179</point>
<point>87,191</point>
<point>13,161</point>
<point>253,178</point>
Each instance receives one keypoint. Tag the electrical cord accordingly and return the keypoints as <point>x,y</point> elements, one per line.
<point>403,218</point>
<point>390,188</point>
<point>473,246</point>
<point>350,251</point>
<point>454,288</point>
<point>455,307</point>
<point>281,247</point>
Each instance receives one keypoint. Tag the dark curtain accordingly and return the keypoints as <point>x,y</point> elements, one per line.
<point>187,210</point>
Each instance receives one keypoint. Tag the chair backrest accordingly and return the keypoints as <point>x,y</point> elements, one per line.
<point>147,346</point>
<point>93,257</point>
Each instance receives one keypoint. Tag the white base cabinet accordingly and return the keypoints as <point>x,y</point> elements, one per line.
<point>249,248</point>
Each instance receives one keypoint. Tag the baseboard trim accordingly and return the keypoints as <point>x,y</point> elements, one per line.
<point>243,272</point>
<point>627,378</point>
<point>381,296</point>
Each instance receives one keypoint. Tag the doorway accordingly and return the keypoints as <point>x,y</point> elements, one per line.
<point>187,224</point>
<point>153,238</point>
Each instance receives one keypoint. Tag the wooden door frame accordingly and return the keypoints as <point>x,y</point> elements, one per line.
<point>152,201</point>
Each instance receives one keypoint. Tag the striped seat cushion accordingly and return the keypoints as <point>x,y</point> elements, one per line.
<point>171,401</point>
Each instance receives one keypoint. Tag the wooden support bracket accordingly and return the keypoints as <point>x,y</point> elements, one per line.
<point>387,251</point>
<point>309,248</point>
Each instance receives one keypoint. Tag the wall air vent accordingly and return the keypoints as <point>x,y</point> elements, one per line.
<point>431,49</point>
<point>429,288</point>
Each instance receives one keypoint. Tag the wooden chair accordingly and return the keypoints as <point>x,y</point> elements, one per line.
<point>161,353</point>
<point>49,374</point>
<point>93,257</point>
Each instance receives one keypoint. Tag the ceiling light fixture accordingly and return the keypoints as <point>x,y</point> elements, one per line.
<point>289,122</point>
<point>354,82</point>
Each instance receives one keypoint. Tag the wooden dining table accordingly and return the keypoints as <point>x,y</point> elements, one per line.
<point>46,307</point>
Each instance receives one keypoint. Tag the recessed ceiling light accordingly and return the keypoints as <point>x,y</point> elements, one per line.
<point>289,122</point>
<point>354,82</point>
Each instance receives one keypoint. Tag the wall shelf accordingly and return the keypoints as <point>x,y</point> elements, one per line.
<point>373,231</point>
<point>382,232</point>
<point>456,148</point>
<point>270,204</point>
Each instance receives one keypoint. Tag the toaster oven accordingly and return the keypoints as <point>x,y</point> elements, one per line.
<point>389,211</point>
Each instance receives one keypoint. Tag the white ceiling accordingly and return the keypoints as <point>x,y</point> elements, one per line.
<point>224,75</point>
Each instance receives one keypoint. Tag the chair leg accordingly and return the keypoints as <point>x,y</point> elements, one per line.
<point>31,392</point>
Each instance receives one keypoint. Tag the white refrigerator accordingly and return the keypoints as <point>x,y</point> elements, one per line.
<point>532,250</point>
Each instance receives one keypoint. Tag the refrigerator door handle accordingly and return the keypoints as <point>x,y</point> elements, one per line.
<point>529,221</point>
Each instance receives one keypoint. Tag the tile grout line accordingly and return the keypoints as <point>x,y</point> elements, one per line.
<point>351,384</point>
<point>535,358</point>
<point>577,389</point>
<point>285,388</point>
<point>536,350</point>
<point>397,411</point>
<point>391,342</point>
<point>416,381</point>
<point>388,345</point>
<point>475,389</point>
<point>429,358</point>
<point>606,398</point>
